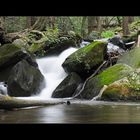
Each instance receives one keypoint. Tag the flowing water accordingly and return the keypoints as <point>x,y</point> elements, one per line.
<point>83,113</point>
<point>79,111</point>
<point>53,72</point>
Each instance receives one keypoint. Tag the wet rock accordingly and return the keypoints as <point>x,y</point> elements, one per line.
<point>67,87</point>
<point>125,89</point>
<point>108,76</point>
<point>131,58</point>
<point>116,40</point>
<point>86,60</point>
<point>24,80</point>
<point>10,55</point>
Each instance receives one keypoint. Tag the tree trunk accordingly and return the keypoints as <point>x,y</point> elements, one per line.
<point>2,30</point>
<point>30,21</point>
<point>9,103</point>
<point>83,26</point>
<point>71,23</point>
<point>131,19</point>
<point>125,25</point>
<point>91,24</point>
<point>2,23</point>
<point>40,24</point>
<point>99,24</point>
<point>119,21</point>
<point>52,21</point>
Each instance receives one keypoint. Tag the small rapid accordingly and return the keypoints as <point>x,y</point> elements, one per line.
<point>51,68</point>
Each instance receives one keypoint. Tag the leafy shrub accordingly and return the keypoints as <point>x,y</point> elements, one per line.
<point>107,34</point>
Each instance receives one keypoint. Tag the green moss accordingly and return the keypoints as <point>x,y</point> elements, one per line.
<point>8,51</point>
<point>108,76</point>
<point>86,58</point>
<point>131,58</point>
<point>113,73</point>
<point>111,94</point>
<point>127,88</point>
<point>92,45</point>
<point>35,47</point>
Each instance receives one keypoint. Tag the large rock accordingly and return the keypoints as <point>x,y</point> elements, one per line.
<point>24,80</point>
<point>95,84</point>
<point>87,59</point>
<point>11,54</point>
<point>126,89</point>
<point>55,44</point>
<point>21,43</point>
<point>131,58</point>
<point>116,40</point>
<point>68,86</point>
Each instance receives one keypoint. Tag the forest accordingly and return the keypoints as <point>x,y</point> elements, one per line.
<point>69,60</point>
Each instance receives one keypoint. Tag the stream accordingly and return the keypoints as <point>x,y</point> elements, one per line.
<point>78,111</point>
<point>83,113</point>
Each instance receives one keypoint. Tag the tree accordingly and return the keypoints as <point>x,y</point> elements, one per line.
<point>91,23</point>
<point>2,30</point>
<point>99,24</point>
<point>52,21</point>
<point>9,103</point>
<point>30,21</point>
<point>40,24</point>
<point>125,22</point>
<point>2,23</point>
<point>83,26</point>
<point>131,19</point>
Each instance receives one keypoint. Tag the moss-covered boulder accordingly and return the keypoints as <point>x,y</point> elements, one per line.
<point>131,58</point>
<point>86,60</point>
<point>10,55</point>
<point>24,80</point>
<point>55,43</point>
<point>126,89</point>
<point>21,43</point>
<point>68,86</point>
<point>95,84</point>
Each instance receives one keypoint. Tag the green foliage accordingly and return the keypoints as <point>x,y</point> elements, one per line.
<point>107,34</point>
<point>15,23</point>
<point>134,26</point>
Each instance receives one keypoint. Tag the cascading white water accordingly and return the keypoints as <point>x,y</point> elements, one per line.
<point>53,71</point>
<point>3,88</point>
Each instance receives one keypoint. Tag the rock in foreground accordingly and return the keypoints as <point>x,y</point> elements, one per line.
<point>67,87</point>
<point>126,89</point>
<point>24,80</point>
<point>110,75</point>
<point>87,59</point>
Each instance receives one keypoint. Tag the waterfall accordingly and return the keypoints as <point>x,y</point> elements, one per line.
<point>53,71</point>
<point>3,88</point>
